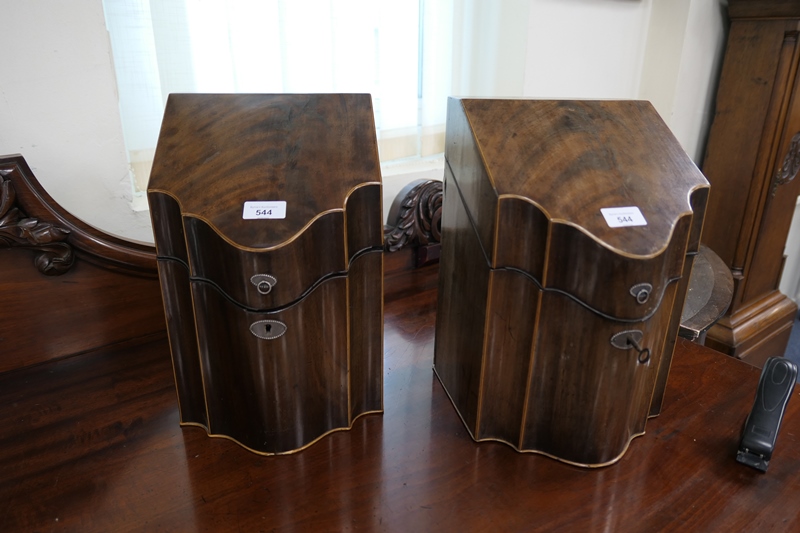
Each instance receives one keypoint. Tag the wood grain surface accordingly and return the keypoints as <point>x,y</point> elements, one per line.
<point>275,395</point>
<point>280,395</point>
<point>763,9</point>
<point>571,158</point>
<point>543,298</point>
<point>91,244</point>
<point>47,317</point>
<point>217,151</point>
<point>179,311</point>
<point>317,252</point>
<point>751,161</point>
<point>312,272</point>
<point>93,444</point>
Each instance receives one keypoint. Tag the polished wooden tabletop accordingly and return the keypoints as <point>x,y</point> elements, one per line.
<point>92,443</point>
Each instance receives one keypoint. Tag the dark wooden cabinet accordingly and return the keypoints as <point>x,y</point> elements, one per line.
<point>556,323</point>
<point>752,159</point>
<point>267,218</point>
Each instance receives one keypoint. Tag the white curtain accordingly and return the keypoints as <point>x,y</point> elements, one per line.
<point>399,51</point>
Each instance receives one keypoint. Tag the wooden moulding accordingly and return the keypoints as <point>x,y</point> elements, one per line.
<point>752,160</point>
<point>757,332</point>
<point>417,216</point>
<point>66,287</point>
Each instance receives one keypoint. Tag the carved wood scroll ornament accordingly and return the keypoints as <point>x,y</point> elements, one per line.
<point>418,216</point>
<point>17,230</point>
<point>790,166</point>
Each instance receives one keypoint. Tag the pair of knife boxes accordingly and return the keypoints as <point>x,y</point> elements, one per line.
<point>568,234</point>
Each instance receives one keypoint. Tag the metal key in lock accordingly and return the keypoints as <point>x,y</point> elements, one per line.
<point>631,339</point>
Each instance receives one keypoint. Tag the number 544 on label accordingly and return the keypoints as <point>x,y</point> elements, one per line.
<point>264,210</point>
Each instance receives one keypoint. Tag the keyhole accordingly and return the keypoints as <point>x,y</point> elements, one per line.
<point>268,328</point>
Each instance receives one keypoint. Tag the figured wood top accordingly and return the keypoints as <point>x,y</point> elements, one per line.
<point>92,443</point>
<point>217,151</point>
<point>572,158</point>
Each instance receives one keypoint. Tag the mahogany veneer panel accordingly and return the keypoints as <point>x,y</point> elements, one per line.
<point>44,318</point>
<point>178,308</point>
<point>93,444</point>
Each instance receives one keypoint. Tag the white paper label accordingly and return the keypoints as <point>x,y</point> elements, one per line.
<point>620,217</point>
<point>259,210</point>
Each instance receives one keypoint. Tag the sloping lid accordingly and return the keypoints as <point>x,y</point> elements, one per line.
<point>573,159</point>
<point>218,151</point>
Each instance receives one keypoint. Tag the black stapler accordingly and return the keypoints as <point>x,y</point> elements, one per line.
<point>762,424</point>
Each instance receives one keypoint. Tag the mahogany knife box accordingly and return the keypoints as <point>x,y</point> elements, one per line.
<point>557,320</point>
<point>267,217</point>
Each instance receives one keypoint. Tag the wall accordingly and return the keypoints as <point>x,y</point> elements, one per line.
<point>58,108</point>
<point>790,279</point>
<point>683,57</point>
<point>489,47</point>
<point>666,51</point>
<point>59,103</point>
<point>585,48</point>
